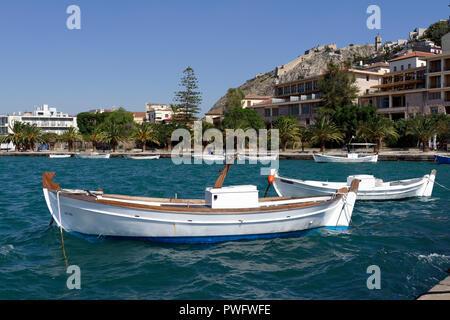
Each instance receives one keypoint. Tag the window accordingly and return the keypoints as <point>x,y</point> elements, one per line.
<point>409,65</point>
<point>301,87</point>
<point>267,112</point>
<point>249,103</point>
<point>293,109</point>
<point>367,78</point>
<point>306,108</point>
<point>402,68</point>
<point>395,69</point>
<point>274,112</point>
<point>434,96</point>
<point>434,110</point>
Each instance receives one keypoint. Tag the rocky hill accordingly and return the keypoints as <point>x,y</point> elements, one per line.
<point>312,63</point>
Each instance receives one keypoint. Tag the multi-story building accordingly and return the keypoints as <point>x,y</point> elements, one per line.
<point>418,83</point>
<point>3,124</point>
<point>302,98</point>
<point>158,113</point>
<point>45,117</point>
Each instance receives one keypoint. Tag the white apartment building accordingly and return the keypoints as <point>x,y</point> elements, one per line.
<point>158,113</point>
<point>45,117</point>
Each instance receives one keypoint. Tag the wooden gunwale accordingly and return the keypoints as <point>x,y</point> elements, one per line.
<point>196,209</point>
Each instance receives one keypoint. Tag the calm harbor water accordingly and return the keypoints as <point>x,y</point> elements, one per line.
<point>408,240</point>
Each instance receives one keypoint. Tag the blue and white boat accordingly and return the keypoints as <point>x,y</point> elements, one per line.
<point>442,159</point>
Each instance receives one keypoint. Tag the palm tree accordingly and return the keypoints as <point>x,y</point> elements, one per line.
<point>304,135</point>
<point>113,133</point>
<point>288,130</point>
<point>324,130</point>
<point>71,136</point>
<point>32,135</point>
<point>423,128</point>
<point>16,137</point>
<point>95,137</point>
<point>145,133</point>
<point>377,129</point>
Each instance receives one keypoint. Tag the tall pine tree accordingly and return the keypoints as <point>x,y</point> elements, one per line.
<point>187,99</point>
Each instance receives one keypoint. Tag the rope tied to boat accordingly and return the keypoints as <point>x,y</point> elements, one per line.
<point>440,185</point>
<point>60,228</point>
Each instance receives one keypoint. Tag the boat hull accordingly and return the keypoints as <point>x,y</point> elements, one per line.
<point>326,158</point>
<point>99,219</point>
<point>59,156</point>
<point>442,159</point>
<point>96,156</point>
<point>143,157</point>
<point>421,187</point>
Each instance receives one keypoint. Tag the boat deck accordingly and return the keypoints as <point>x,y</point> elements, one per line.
<point>441,291</point>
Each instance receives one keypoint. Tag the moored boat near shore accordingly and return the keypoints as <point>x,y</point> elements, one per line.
<point>93,156</point>
<point>440,159</point>
<point>349,158</point>
<point>370,188</point>
<point>226,213</point>
<point>59,156</point>
<point>155,157</point>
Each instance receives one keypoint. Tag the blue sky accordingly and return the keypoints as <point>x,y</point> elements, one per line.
<point>131,52</point>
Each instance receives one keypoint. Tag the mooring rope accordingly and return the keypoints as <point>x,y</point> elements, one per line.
<point>61,230</point>
<point>440,185</point>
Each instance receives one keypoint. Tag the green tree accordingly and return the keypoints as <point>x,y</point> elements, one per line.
<point>17,135</point>
<point>87,122</point>
<point>423,128</point>
<point>145,133</point>
<point>348,118</point>
<point>187,99</point>
<point>113,133</point>
<point>31,136</point>
<point>71,136</point>
<point>337,88</point>
<point>288,129</point>
<point>376,129</point>
<point>94,137</point>
<point>436,31</point>
<point>324,130</point>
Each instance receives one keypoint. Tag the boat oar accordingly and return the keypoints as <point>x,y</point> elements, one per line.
<point>270,179</point>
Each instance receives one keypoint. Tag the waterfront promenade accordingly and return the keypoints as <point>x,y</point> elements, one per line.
<point>384,155</point>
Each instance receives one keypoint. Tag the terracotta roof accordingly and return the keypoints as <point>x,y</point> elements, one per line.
<point>139,114</point>
<point>215,112</point>
<point>413,54</point>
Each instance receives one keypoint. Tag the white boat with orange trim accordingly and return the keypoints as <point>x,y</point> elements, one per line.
<point>226,213</point>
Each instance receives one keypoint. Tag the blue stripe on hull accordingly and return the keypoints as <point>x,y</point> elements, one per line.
<point>442,159</point>
<point>209,239</point>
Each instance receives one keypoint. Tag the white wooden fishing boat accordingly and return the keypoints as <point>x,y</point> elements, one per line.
<point>226,213</point>
<point>59,156</point>
<point>256,157</point>
<point>93,155</point>
<point>209,157</point>
<point>370,188</point>
<point>155,157</point>
<point>349,158</point>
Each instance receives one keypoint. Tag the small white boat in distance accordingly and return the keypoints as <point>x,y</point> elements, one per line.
<point>93,155</point>
<point>256,157</point>
<point>349,158</point>
<point>155,157</point>
<point>209,157</point>
<point>59,156</point>
<point>226,213</point>
<point>370,188</point>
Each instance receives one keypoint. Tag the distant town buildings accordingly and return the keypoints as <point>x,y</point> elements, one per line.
<point>302,98</point>
<point>158,113</point>
<point>45,117</point>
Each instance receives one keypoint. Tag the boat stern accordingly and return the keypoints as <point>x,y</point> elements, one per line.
<point>429,184</point>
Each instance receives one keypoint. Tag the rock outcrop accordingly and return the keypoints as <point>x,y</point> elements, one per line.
<point>312,63</point>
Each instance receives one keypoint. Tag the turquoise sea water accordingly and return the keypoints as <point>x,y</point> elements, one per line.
<point>408,240</point>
